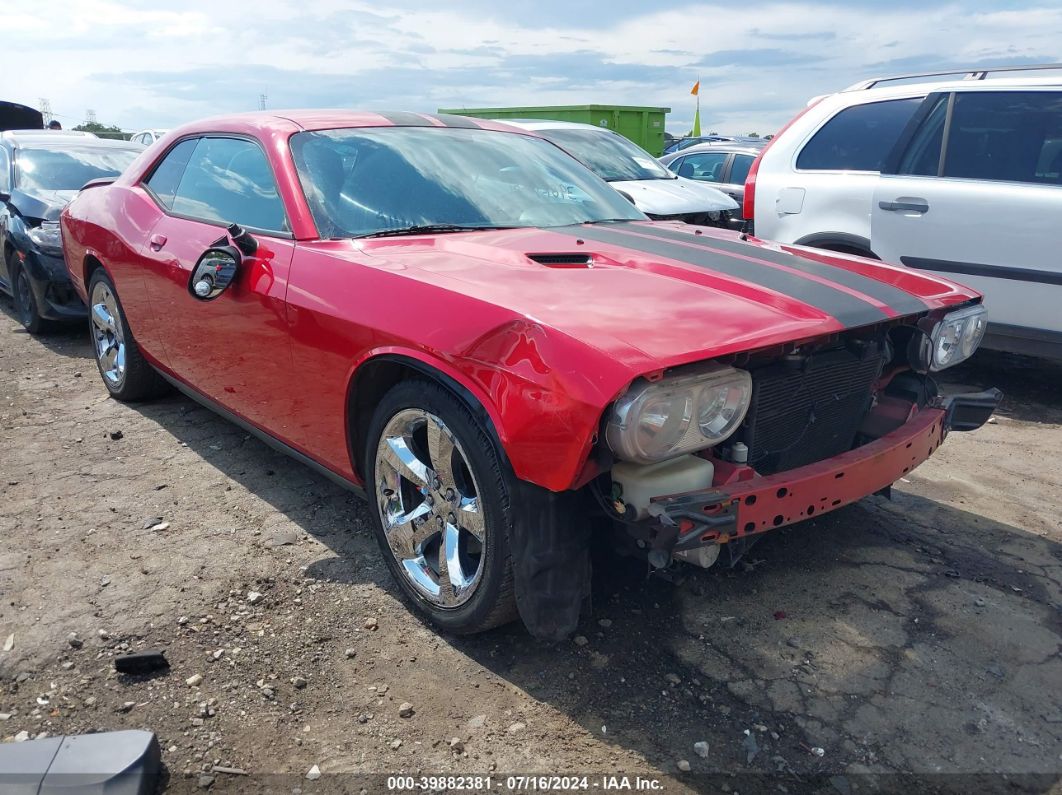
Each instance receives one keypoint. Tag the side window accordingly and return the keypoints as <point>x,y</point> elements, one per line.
<point>858,138</point>
<point>5,171</point>
<point>167,175</point>
<point>229,180</point>
<point>740,170</point>
<point>703,166</point>
<point>1013,136</point>
<point>922,156</point>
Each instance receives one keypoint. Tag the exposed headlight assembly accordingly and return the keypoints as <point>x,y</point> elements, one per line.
<point>657,420</point>
<point>957,335</point>
<point>46,237</point>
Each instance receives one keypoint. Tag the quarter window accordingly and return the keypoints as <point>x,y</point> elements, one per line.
<point>1013,136</point>
<point>228,180</point>
<point>858,138</point>
<point>703,166</point>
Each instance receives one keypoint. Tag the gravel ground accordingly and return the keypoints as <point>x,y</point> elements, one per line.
<point>917,637</point>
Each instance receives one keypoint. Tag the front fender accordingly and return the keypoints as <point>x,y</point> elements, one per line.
<point>545,416</point>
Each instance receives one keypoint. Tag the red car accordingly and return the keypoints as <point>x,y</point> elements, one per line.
<point>464,322</point>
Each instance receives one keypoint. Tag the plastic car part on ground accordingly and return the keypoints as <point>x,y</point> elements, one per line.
<point>116,763</point>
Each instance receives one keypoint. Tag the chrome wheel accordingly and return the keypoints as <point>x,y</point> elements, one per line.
<point>108,337</point>
<point>429,507</point>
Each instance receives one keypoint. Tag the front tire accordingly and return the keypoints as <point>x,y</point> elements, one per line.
<point>125,372</point>
<point>441,509</point>
<point>25,299</point>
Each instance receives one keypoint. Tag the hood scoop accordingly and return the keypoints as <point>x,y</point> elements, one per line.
<point>563,260</point>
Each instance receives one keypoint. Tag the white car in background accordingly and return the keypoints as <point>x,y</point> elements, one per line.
<point>637,174</point>
<point>147,137</point>
<point>957,173</point>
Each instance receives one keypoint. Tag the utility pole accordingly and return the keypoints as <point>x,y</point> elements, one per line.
<point>262,101</point>
<point>45,109</point>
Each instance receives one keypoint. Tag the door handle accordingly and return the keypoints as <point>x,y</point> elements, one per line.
<point>913,206</point>
<point>157,242</point>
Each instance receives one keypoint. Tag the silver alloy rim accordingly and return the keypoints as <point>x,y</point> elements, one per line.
<point>108,337</point>
<point>430,509</point>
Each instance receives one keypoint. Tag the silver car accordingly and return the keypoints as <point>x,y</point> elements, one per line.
<point>723,165</point>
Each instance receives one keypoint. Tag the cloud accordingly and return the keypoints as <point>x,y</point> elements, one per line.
<point>157,63</point>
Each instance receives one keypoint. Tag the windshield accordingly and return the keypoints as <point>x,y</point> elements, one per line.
<point>612,157</point>
<point>362,181</point>
<point>69,168</point>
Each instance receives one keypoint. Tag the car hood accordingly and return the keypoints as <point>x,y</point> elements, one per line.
<point>43,204</point>
<point>674,196</point>
<point>658,294</point>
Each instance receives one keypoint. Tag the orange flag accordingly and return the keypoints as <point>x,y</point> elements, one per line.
<point>696,90</point>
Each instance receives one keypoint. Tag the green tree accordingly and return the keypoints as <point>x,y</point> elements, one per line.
<point>102,130</point>
<point>753,135</point>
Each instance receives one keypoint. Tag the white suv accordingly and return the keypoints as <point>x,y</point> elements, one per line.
<point>960,176</point>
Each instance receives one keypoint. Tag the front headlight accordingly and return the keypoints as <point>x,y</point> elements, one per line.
<point>658,420</point>
<point>47,237</point>
<point>957,335</point>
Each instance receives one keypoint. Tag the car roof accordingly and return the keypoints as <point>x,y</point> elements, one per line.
<point>291,121</point>
<point>43,139</point>
<point>738,147</point>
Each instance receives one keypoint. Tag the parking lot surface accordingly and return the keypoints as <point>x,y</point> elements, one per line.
<point>915,636</point>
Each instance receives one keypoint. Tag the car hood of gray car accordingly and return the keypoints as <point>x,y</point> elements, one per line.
<point>674,196</point>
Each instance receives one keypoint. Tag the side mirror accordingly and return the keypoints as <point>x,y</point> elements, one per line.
<point>214,272</point>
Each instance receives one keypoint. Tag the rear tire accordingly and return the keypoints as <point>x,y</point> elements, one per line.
<point>440,503</point>
<point>25,299</point>
<point>125,372</point>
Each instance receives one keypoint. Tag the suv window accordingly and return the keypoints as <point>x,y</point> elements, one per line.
<point>167,175</point>
<point>228,180</point>
<point>1013,136</point>
<point>858,138</point>
<point>922,156</point>
<point>703,166</point>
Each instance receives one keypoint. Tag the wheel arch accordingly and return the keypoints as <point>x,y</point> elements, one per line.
<point>842,242</point>
<point>381,370</point>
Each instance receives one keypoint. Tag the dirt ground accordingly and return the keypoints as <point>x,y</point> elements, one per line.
<point>890,646</point>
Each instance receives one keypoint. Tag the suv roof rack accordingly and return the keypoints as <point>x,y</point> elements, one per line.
<point>968,74</point>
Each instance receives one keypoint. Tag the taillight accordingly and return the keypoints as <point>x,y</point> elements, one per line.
<point>748,206</point>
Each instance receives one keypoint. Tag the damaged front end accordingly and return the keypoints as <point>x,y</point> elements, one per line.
<point>825,423</point>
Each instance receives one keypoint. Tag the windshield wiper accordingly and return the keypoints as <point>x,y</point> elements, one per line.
<point>429,229</point>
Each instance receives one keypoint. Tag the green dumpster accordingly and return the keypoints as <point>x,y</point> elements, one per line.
<point>644,126</point>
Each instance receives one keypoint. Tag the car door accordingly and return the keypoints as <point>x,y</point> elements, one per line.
<point>235,349</point>
<point>702,166</point>
<point>737,171</point>
<point>974,191</point>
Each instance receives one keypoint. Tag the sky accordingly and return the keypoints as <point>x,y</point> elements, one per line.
<point>161,63</point>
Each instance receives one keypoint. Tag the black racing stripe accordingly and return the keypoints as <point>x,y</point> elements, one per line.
<point>450,120</point>
<point>849,311</point>
<point>402,118</point>
<point>979,269</point>
<point>899,301</point>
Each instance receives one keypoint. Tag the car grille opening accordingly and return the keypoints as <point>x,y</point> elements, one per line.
<point>809,409</point>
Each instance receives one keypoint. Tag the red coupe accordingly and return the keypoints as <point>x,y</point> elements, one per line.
<point>462,321</point>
